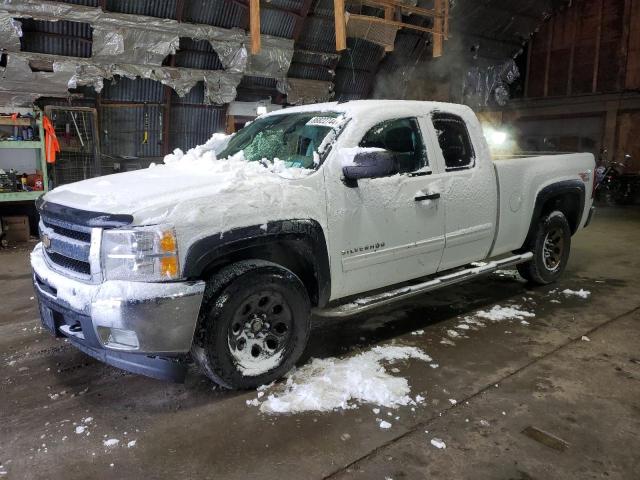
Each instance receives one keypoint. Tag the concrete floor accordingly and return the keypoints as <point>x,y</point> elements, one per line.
<point>505,377</point>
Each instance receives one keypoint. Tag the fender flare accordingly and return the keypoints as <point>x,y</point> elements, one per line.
<point>205,251</point>
<point>574,187</point>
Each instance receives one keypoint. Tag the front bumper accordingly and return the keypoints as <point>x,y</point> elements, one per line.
<point>140,327</point>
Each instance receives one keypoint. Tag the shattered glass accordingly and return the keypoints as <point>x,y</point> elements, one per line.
<point>292,138</point>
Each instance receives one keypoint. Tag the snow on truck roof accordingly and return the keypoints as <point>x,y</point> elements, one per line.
<point>356,107</point>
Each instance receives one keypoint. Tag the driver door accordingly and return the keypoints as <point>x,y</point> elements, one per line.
<point>383,231</point>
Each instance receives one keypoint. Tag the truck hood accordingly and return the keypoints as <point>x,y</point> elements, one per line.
<point>164,192</point>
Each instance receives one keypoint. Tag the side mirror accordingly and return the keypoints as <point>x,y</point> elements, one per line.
<point>372,164</point>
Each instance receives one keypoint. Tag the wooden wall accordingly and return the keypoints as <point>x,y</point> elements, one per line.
<point>591,47</point>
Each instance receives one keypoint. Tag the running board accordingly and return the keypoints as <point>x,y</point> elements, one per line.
<point>364,304</point>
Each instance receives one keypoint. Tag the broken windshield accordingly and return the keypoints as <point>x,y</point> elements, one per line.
<point>297,139</point>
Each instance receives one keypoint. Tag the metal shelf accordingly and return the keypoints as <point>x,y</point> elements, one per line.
<point>41,165</point>
<point>20,196</point>
<point>20,144</point>
<point>18,122</point>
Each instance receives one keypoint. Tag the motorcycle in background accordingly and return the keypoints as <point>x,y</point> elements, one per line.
<point>614,186</point>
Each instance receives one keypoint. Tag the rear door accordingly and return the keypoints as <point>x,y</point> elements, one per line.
<point>469,192</point>
<point>385,231</point>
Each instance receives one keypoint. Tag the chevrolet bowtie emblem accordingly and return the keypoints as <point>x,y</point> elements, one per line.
<point>46,241</point>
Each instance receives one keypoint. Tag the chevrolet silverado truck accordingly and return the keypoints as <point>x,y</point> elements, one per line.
<point>222,254</point>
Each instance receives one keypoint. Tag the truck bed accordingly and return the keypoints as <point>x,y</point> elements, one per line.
<point>520,179</point>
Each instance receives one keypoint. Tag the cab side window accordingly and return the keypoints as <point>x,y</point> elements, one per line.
<point>401,137</point>
<point>454,141</point>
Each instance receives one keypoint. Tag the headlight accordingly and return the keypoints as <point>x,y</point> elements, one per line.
<point>140,254</point>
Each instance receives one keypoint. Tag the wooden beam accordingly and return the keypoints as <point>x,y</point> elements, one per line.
<point>528,77</point>
<point>254,26</point>
<point>425,12</point>
<point>547,66</point>
<point>394,23</point>
<point>624,48</point>
<point>179,10</point>
<point>446,19</point>
<point>230,126</point>
<point>389,14</point>
<point>572,53</point>
<point>596,63</point>
<point>438,36</point>
<point>304,11</point>
<point>341,25</point>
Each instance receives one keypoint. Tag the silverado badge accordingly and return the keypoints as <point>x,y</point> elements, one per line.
<point>365,248</point>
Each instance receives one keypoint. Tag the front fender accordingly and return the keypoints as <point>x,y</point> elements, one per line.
<point>204,252</point>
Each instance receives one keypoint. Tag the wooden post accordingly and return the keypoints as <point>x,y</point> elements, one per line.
<point>230,126</point>
<point>624,48</point>
<point>389,15</point>
<point>446,19</point>
<point>254,25</point>
<point>527,79</point>
<point>596,63</point>
<point>547,66</point>
<point>437,27</point>
<point>572,54</point>
<point>341,25</point>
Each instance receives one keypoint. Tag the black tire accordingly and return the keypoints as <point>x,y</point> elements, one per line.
<point>254,324</point>
<point>550,245</point>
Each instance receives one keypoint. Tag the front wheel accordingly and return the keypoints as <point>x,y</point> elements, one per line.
<point>254,324</point>
<point>550,245</point>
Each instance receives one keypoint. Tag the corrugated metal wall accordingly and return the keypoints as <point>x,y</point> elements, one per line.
<point>152,8</point>
<point>193,125</point>
<point>221,13</point>
<point>58,38</point>
<point>124,89</point>
<point>122,130</point>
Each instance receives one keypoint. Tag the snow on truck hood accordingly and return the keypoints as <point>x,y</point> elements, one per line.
<point>189,180</point>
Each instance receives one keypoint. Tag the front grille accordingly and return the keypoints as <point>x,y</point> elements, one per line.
<point>67,263</point>
<point>68,247</point>
<point>67,232</point>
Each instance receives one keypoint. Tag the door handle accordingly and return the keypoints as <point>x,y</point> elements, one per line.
<point>430,196</point>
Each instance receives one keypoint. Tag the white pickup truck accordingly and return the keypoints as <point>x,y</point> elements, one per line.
<point>223,253</point>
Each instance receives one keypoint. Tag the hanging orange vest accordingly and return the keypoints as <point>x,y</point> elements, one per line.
<point>51,145</point>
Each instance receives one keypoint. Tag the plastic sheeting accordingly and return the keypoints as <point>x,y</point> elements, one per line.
<point>139,39</point>
<point>10,32</point>
<point>302,91</point>
<point>274,58</point>
<point>20,86</point>
<point>220,85</point>
<point>486,85</point>
<point>146,47</point>
<point>135,46</point>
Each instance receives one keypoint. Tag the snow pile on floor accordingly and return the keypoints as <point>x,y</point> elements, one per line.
<point>577,293</point>
<point>436,442</point>
<point>384,425</point>
<point>112,442</point>
<point>334,383</point>
<point>499,313</point>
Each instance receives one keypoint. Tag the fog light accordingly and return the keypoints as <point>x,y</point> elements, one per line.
<point>119,338</point>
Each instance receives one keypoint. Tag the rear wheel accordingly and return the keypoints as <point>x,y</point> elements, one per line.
<point>254,324</point>
<point>550,245</point>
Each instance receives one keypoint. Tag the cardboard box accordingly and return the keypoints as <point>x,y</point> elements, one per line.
<point>16,229</point>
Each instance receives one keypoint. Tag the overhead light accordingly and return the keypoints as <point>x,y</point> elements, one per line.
<point>495,138</point>
<point>498,137</point>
